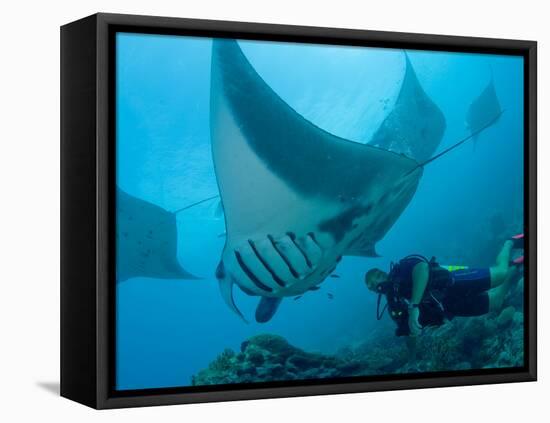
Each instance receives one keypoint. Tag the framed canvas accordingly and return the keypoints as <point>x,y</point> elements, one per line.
<point>257,211</point>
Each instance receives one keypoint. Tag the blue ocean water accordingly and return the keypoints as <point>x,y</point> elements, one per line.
<point>168,330</point>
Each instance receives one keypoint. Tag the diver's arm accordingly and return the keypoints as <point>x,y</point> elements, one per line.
<point>420,276</point>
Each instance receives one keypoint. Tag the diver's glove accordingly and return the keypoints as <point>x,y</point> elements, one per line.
<point>414,314</point>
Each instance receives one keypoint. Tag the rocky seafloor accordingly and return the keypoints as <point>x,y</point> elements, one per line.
<point>491,341</point>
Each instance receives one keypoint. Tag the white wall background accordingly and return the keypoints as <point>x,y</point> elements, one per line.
<point>29,236</point>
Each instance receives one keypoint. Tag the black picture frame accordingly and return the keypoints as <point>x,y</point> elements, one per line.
<point>88,201</point>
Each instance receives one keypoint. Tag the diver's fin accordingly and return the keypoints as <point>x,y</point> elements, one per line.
<point>267,308</point>
<point>518,240</point>
<point>518,261</point>
<point>226,289</point>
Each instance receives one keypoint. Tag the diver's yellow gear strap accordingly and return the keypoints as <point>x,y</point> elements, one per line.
<point>452,268</point>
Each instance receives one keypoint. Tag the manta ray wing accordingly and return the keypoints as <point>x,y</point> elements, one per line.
<point>146,238</point>
<point>415,126</point>
<point>295,197</point>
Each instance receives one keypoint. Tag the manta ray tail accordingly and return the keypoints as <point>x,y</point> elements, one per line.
<point>196,203</point>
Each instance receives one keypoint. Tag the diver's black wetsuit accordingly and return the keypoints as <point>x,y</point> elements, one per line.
<point>448,294</point>
<point>463,292</point>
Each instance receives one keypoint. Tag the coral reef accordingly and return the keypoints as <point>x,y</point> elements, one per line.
<point>270,357</point>
<point>490,341</point>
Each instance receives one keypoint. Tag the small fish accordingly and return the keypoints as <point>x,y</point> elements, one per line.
<point>334,275</point>
<point>314,288</point>
<point>330,296</point>
<point>297,298</point>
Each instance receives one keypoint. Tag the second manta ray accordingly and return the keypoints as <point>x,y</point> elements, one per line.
<point>297,198</point>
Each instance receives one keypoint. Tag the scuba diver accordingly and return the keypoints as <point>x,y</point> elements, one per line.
<point>421,293</point>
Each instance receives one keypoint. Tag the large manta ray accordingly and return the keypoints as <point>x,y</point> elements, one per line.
<point>297,198</point>
<point>146,240</point>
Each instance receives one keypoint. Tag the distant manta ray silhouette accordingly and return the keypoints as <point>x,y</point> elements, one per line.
<point>146,240</point>
<point>484,111</point>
